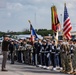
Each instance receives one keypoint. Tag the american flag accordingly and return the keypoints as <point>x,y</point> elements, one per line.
<point>67,25</point>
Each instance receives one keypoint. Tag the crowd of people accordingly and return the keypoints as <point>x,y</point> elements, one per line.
<point>62,55</point>
<point>42,53</point>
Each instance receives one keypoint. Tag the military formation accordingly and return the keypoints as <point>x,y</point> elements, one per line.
<point>45,53</point>
<point>61,56</point>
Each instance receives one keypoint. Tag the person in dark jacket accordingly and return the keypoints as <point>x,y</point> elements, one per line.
<point>12,51</point>
<point>37,46</point>
<point>5,44</point>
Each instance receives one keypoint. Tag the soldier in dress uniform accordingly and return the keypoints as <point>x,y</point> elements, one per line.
<point>53,53</point>
<point>43,54</point>
<point>66,57</point>
<point>47,49</point>
<point>58,57</point>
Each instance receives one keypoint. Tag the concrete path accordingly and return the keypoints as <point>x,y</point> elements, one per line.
<point>22,69</point>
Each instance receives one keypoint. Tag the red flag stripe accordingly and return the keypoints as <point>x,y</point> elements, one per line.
<point>67,20</point>
<point>67,26</point>
<point>68,30</point>
<point>69,35</point>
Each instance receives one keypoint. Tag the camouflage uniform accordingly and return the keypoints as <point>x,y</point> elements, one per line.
<point>74,59</point>
<point>69,61</point>
<point>66,58</point>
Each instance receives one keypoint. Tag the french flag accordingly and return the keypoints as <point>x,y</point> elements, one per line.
<point>33,34</point>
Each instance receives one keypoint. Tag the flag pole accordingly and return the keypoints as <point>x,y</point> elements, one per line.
<point>63,27</point>
<point>30,31</point>
<point>61,31</point>
<point>33,44</point>
<point>63,24</point>
<point>33,33</point>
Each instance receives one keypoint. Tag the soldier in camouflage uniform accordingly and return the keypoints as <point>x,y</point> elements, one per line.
<point>63,56</point>
<point>74,58</point>
<point>69,61</point>
<point>66,58</point>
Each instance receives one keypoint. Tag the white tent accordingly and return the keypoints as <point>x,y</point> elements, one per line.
<point>27,36</point>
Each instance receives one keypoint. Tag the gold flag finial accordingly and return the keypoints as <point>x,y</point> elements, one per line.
<point>29,21</point>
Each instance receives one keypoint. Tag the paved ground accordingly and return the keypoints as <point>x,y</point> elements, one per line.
<point>22,69</point>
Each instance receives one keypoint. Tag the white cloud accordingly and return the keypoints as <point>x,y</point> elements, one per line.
<point>9,14</point>
<point>40,1</point>
<point>14,6</point>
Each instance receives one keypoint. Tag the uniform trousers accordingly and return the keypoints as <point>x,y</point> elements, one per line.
<point>4,59</point>
<point>53,60</point>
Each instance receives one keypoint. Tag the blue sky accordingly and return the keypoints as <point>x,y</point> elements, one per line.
<point>14,14</point>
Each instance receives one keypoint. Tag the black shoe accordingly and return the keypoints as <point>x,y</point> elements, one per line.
<point>12,63</point>
<point>4,70</point>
